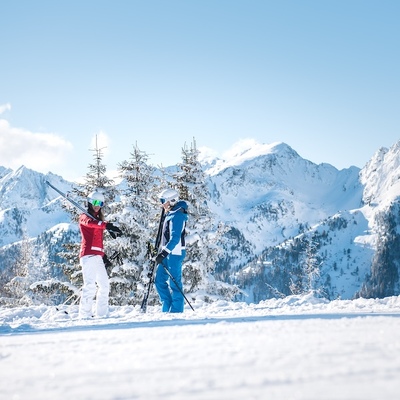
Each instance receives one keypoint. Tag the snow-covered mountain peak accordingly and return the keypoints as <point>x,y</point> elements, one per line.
<point>268,191</point>
<point>28,206</point>
<point>25,188</point>
<point>20,187</point>
<point>248,149</point>
<point>381,177</point>
<point>4,171</point>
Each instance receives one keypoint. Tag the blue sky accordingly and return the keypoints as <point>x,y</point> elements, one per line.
<point>321,76</point>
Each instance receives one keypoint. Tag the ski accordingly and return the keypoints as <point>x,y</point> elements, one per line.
<point>152,252</point>
<point>73,202</point>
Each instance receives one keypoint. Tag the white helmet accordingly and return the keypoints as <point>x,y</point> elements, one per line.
<point>96,199</point>
<point>170,195</point>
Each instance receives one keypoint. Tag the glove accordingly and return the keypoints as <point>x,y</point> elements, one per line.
<point>107,262</point>
<point>114,230</point>
<point>160,256</point>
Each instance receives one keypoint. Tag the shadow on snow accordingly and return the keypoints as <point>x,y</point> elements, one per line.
<point>27,329</point>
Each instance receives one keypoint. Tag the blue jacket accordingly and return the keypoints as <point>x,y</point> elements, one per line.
<point>173,235</point>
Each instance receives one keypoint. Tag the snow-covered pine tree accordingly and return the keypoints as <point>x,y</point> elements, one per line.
<point>384,278</point>
<point>17,284</point>
<point>134,214</point>
<point>203,230</point>
<point>71,287</point>
<point>96,178</point>
<point>33,280</point>
<point>312,264</point>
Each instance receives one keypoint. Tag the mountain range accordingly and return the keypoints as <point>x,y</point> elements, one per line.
<point>293,225</point>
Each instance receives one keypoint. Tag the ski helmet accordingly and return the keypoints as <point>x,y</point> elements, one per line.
<point>96,198</point>
<point>170,195</point>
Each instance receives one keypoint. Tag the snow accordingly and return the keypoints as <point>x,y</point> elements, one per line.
<point>266,190</point>
<point>240,152</point>
<point>294,348</point>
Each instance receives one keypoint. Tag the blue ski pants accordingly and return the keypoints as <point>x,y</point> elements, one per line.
<point>170,296</point>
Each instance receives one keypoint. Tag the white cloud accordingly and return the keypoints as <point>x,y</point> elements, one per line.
<point>206,154</point>
<point>240,151</point>
<point>4,107</point>
<point>246,149</point>
<point>239,148</point>
<point>38,151</point>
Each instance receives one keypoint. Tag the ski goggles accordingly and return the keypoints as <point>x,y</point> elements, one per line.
<point>171,201</point>
<point>97,203</point>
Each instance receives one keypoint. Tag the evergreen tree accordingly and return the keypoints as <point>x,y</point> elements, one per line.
<point>312,265</point>
<point>71,287</point>
<point>383,280</point>
<point>17,288</point>
<point>135,215</point>
<point>96,179</point>
<point>203,231</point>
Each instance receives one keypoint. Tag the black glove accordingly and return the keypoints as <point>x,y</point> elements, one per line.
<point>160,256</point>
<point>107,262</point>
<point>114,230</point>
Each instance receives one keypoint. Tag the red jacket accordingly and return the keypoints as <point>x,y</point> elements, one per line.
<point>92,236</point>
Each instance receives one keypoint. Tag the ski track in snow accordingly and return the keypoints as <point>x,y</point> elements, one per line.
<point>297,348</point>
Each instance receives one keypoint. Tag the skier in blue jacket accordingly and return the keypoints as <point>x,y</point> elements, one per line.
<point>171,252</point>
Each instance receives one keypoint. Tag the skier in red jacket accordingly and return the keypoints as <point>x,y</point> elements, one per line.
<point>91,258</point>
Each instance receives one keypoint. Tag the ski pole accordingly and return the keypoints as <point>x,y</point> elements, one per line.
<point>150,274</point>
<point>78,296</point>
<point>173,280</point>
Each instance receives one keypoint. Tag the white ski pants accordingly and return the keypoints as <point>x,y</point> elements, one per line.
<point>95,278</point>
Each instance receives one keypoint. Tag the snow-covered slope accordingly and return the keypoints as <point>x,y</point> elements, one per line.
<point>381,178</point>
<point>295,348</point>
<point>345,240</point>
